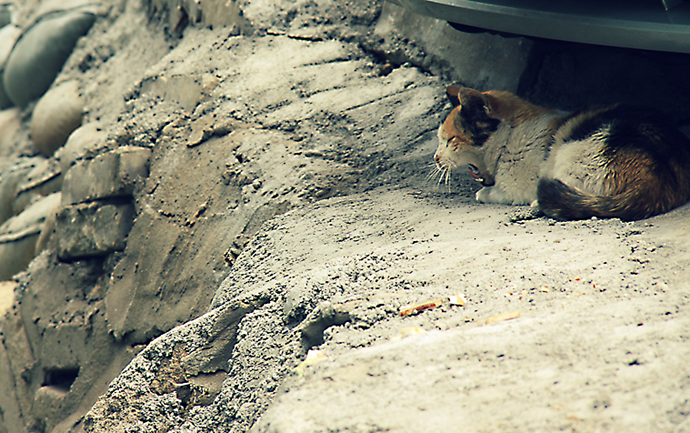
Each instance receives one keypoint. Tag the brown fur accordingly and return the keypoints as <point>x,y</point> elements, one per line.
<point>513,110</point>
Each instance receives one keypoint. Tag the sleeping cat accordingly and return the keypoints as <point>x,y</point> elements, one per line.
<point>617,161</point>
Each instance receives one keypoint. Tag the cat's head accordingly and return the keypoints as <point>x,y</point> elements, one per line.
<point>464,132</point>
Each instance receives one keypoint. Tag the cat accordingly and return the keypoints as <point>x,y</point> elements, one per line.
<point>617,161</point>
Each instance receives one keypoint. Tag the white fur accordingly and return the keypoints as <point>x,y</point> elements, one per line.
<point>580,164</point>
<point>515,156</point>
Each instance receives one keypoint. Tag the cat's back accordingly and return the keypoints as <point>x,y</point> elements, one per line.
<point>624,127</point>
<point>621,160</point>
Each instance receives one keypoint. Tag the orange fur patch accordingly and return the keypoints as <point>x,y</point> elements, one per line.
<point>451,130</point>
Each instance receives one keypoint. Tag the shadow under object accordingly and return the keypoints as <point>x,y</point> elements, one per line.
<point>640,24</point>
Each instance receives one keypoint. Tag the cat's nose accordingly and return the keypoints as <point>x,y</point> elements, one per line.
<point>437,158</point>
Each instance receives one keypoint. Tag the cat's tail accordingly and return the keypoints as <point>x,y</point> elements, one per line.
<point>560,201</point>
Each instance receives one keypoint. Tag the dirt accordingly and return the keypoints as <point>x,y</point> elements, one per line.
<point>601,325</point>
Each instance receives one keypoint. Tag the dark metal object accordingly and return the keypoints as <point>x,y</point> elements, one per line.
<point>641,24</point>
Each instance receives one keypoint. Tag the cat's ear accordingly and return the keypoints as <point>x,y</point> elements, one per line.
<point>473,100</point>
<point>489,105</point>
<point>453,92</point>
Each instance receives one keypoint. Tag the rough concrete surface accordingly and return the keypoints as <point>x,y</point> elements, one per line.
<point>247,206</point>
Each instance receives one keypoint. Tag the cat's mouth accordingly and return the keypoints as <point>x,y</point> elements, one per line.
<point>478,176</point>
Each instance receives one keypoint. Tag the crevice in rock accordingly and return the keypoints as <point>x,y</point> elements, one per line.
<point>322,317</point>
<point>60,378</point>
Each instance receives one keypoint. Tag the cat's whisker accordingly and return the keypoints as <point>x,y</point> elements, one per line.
<point>444,173</point>
<point>448,178</point>
<point>440,178</point>
<point>432,173</point>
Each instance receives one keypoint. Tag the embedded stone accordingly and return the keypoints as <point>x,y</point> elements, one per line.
<point>19,234</point>
<point>41,52</point>
<point>9,34</point>
<point>42,180</point>
<point>55,116</point>
<point>11,176</point>
<point>10,124</point>
<point>81,143</point>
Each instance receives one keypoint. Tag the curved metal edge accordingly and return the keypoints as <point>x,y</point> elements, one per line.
<point>647,35</point>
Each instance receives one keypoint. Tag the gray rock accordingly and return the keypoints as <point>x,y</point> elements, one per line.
<point>6,12</point>
<point>19,234</point>
<point>12,175</point>
<point>83,141</point>
<point>113,174</point>
<point>41,52</point>
<point>42,180</point>
<point>9,35</point>
<point>16,253</point>
<point>55,116</point>
<point>93,229</point>
<point>10,124</point>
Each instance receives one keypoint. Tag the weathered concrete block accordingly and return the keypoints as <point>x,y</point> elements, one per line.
<point>481,60</point>
<point>16,391</point>
<point>113,174</point>
<point>62,356</point>
<point>93,229</point>
<point>9,401</point>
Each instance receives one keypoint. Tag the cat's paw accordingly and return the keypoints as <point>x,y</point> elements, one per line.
<point>483,195</point>
<point>491,194</point>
